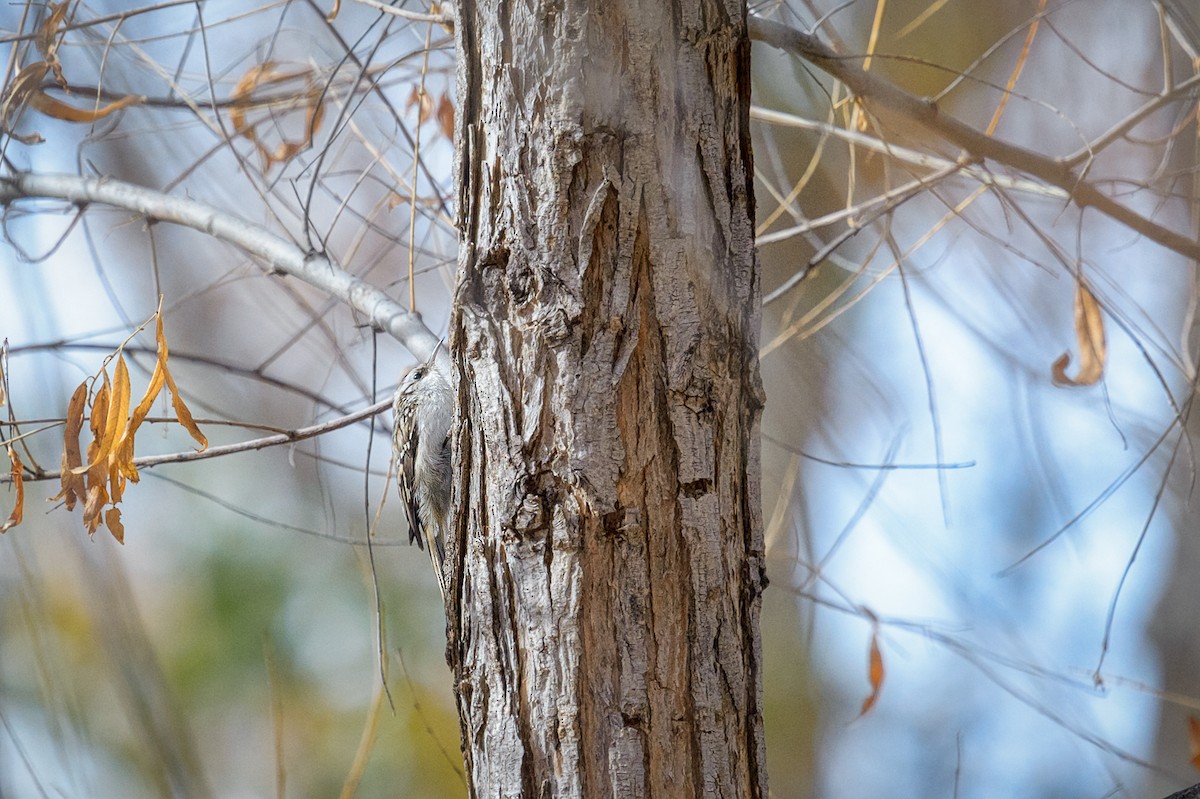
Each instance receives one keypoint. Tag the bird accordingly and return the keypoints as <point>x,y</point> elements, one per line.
<point>423,410</point>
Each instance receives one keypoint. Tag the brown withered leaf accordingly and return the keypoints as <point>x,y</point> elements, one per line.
<point>72,481</point>
<point>1194,740</point>
<point>98,419</point>
<point>49,37</point>
<point>181,409</point>
<point>112,520</point>
<point>69,113</point>
<point>99,478</point>
<point>93,507</point>
<point>424,103</point>
<point>1089,332</point>
<point>48,34</point>
<point>118,411</point>
<point>445,116</point>
<point>24,85</point>
<point>95,472</point>
<point>875,674</point>
<point>16,471</point>
<point>267,74</point>
<point>114,397</point>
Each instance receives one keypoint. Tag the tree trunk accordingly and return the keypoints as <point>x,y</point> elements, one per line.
<point>606,550</point>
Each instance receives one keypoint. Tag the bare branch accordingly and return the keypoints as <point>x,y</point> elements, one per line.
<point>979,145</point>
<point>442,17</point>
<point>288,437</point>
<point>278,253</point>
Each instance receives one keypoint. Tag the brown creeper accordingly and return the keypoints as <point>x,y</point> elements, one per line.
<point>423,408</point>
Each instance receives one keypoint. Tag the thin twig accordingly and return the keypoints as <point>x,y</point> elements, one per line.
<point>229,449</point>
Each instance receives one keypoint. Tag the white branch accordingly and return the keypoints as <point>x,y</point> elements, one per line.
<point>443,17</point>
<point>279,254</point>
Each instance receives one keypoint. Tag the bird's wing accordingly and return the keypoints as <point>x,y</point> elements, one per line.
<point>406,452</point>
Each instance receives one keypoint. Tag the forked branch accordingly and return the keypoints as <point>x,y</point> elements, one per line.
<point>978,145</point>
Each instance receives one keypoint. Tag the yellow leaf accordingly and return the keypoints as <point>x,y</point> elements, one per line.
<point>1089,332</point>
<point>18,480</point>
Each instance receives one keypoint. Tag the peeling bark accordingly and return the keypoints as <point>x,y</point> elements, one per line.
<point>606,550</point>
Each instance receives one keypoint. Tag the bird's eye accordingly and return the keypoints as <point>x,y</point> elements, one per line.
<point>418,373</point>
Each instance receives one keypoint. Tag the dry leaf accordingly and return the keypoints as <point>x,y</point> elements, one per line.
<point>423,101</point>
<point>23,86</point>
<point>181,410</point>
<point>72,482</point>
<point>48,35</point>
<point>1194,740</point>
<point>1089,331</point>
<point>99,479</point>
<point>16,472</point>
<point>69,113</point>
<point>264,75</point>
<point>445,116</point>
<point>875,673</point>
<point>112,520</point>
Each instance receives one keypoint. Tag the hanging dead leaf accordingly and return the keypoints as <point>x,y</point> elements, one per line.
<point>267,75</point>
<point>69,113</point>
<point>445,116</point>
<point>334,11</point>
<point>112,520</point>
<point>99,479</point>
<point>49,37</point>
<point>16,472</point>
<point>95,493</point>
<point>24,85</point>
<point>73,487</point>
<point>875,674</point>
<point>49,33</point>
<point>1089,332</point>
<point>181,409</point>
<point>1194,740</point>
<point>113,398</point>
<point>424,103</point>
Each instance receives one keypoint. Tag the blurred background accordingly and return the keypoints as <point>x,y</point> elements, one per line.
<point>1002,566</point>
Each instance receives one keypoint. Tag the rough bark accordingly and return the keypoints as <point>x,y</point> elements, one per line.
<point>606,552</point>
